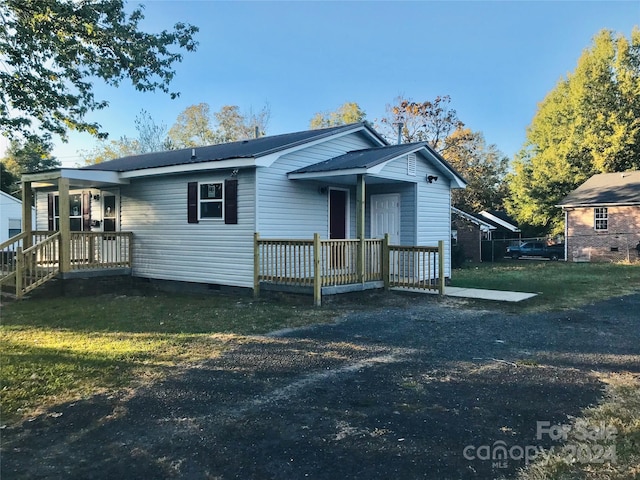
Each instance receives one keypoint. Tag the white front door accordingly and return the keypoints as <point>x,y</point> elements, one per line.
<point>385,217</point>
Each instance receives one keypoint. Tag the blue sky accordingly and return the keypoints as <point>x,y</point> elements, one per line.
<point>496,59</point>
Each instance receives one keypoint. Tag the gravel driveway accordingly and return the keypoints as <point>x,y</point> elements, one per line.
<point>394,392</point>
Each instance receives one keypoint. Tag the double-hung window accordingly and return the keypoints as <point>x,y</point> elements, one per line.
<point>211,200</point>
<point>600,219</point>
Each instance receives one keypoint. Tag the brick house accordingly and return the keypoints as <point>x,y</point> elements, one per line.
<point>602,219</point>
<point>470,230</point>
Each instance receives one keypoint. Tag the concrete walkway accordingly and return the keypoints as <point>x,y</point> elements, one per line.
<point>478,293</point>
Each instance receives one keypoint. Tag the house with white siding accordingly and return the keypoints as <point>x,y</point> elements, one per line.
<point>10,216</point>
<point>199,214</point>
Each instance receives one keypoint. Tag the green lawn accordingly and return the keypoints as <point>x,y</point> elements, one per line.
<point>56,350</point>
<point>559,285</point>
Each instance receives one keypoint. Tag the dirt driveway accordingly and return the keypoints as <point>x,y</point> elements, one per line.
<point>405,393</point>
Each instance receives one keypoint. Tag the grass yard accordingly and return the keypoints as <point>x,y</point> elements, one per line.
<point>559,285</point>
<point>61,349</point>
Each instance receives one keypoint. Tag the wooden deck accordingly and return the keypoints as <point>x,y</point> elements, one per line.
<point>30,259</point>
<point>318,265</point>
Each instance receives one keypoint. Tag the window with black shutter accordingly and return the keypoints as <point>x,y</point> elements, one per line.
<point>213,201</point>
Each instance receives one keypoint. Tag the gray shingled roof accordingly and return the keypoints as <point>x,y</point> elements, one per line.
<point>622,188</point>
<point>365,158</point>
<point>253,148</point>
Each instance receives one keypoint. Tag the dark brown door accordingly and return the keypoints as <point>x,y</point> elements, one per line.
<point>337,214</point>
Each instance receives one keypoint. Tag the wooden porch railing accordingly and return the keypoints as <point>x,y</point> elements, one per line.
<point>37,264</point>
<point>9,252</point>
<point>31,261</point>
<point>91,250</point>
<point>417,267</point>
<point>320,263</point>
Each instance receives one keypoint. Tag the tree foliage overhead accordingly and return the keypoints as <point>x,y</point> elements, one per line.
<point>430,121</point>
<point>52,51</point>
<point>589,123</point>
<point>484,168</point>
<point>348,112</point>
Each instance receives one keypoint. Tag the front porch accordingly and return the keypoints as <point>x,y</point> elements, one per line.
<point>31,258</point>
<point>325,267</point>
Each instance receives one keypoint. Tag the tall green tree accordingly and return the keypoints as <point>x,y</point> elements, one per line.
<point>53,50</point>
<point>589,123</point>
<point>484,168</point>
<point>348,112</point>
<point>8,180</point>
<point>193,127</point>
<point>430,121</point>
<point>196,126</point>
<point>29,156</point>
<point>234,125</point>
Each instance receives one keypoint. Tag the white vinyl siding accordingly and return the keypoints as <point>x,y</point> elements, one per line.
<point>167,247</point>
<point>431,203</point>
<point>298,208</point>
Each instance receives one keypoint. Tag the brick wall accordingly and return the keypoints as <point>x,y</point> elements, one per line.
<point>616,244</point>
<point>469,236</point>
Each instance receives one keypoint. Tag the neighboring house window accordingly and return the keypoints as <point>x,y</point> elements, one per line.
<point>601,219</point>
<point>211,201</point>
<point>15,227</point>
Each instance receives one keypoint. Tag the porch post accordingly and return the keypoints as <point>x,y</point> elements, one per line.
<point>65,225</point>
<point>385,261</point>
<point>256,265</point>
<point>441,267</point>
<point>317,274</point>
<point>27,220</point>
<point>360,216</point>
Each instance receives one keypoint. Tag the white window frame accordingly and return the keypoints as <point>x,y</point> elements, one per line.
<point>600,214</point>
<point>211,200</point>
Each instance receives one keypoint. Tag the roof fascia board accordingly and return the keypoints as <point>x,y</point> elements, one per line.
<point>499,221</point>
<point>268,159</point>
<point>332,173</point>
<point>97,176</point>
<point>190,167</point>
<point>601,204</point>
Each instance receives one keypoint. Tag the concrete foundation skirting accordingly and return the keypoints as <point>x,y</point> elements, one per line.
<point>328,290</point>
<point>102,272</point>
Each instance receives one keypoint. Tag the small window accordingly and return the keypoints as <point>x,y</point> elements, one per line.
<point>15,227</point>
<point>211,200</point>
<point>601,219</point>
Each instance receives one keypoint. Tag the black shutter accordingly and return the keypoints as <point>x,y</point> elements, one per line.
<point>50,218</point>
<point>86,211</point>
<point>192,202</point>
<point>231,202</point>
